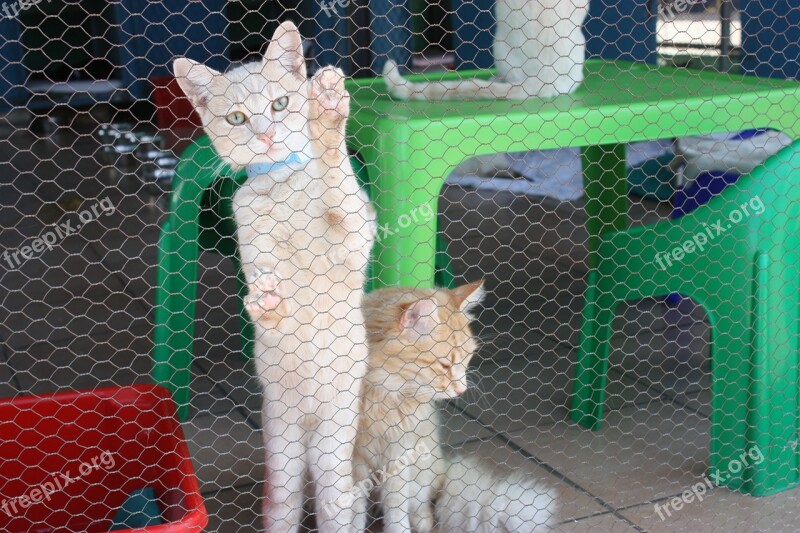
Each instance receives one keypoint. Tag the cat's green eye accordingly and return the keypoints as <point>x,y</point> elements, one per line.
<point>281,103</point>
<point>237,118</point>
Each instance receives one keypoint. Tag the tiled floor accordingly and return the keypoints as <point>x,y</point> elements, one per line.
<point>81,315</point>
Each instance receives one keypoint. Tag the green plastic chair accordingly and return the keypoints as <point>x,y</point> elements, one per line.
<point>201,218</point>
<point>746,278</point>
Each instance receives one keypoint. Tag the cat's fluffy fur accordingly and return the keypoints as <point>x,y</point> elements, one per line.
<point>305,232</point>
<point>420,349</point>
<point>539,51</point>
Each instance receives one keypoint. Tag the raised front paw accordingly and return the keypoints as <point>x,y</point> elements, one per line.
<point>330,101</point>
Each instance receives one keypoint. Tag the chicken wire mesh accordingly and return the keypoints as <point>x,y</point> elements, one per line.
<point>621,183</point>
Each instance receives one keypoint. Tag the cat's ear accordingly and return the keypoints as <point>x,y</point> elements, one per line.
<point>286,47</point>
<point>419,318</point>
<point>195,79</point>
<point>468,296</point>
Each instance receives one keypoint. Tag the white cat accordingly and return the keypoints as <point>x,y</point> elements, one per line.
<point>305,231</point>
<point>539,51</point>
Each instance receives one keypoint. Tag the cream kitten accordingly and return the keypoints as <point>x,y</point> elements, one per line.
<point>305,231</point>
<point>539,51</point>
<point>420,348</point>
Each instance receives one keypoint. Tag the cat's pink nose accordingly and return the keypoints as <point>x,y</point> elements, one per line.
<point>266,138</point>
<point>460,388</point>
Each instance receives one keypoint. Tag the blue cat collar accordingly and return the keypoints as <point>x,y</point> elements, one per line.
<point>259,169</point>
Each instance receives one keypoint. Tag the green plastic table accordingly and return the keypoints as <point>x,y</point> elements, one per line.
<point>409,148</point>
<point>746,281</point>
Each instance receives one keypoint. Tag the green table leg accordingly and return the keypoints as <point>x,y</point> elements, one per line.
<point>605,182</point>
<point>405,188</point>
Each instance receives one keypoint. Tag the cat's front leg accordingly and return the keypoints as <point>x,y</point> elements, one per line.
<point>395,501</point>
<point>425,468</point>
<point>421,509</point>
<point>361,495</point>
<point>329,108</point>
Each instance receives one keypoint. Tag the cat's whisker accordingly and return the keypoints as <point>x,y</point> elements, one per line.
<point>487,340</point>
<point>491,336</point>
<point>474,380</point>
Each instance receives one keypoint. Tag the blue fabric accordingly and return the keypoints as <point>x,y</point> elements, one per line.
<point>749,134</point>
<point>141,509</point>
<point>708,184</point>
<point>258,169</point>
<point>653,179</point>
<point>700,191</point>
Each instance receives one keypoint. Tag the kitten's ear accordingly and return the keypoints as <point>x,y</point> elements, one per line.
<point>468,296</point>
<point>286,47</point>
<point>419,318</point>
<point>195,79</point>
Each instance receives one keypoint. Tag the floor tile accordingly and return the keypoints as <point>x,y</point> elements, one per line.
<point>84,362</point>
<point>674,360</point>
<point>237,378</point>
<point>505,462</point>
<point>226,450</point>
<point>605,523</point>
<point>208,397</point>
<point>458,428</point>
<point>59,296</point>
<point>217,322</point>
<point>62,254</point>
<point>503,338</point>
<point>534,390</point>
<point>236,510</point>
<point>724,511</point>
<point>641,453</point>
<point>8,388</point>
<point>550,227</point>
<point>699,401</point>
<point>239,510</point>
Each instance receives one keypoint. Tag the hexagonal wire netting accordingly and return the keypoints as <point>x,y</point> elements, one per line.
<point>253,215</point>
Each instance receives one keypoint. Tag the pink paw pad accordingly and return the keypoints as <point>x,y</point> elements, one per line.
<point>267,301</point>
<point>329,90</point>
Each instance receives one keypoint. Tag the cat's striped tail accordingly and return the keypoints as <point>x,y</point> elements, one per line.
<point>464,89</point>
<point>475,500</point>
